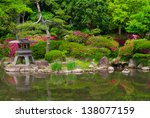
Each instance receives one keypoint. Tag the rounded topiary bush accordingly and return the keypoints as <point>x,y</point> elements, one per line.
<point>39,50</point>
<point>54,55</point>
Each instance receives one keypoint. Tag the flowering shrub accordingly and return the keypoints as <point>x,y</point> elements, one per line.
<point>120,41</point>
<point>78,33</point>
<point>127,49</point>
<point>76,36</point>
<point>40,38</point>
<point>8,49</point>
<point>133,36</point>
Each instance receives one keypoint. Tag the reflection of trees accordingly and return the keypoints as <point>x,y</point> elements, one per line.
<point>115,86</point>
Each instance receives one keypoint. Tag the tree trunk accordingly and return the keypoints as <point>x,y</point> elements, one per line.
<point>16,31</point>
<point>119,31</point>
<point>23,17</point>
<point>44,23</point>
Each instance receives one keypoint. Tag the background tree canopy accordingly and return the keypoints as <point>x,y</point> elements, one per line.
<point>103,16</point>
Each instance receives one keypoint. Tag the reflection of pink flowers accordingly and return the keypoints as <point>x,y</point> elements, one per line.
<point>113,81</point>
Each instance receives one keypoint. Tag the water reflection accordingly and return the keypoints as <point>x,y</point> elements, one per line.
<point>104,73</point>
<point>22,81</point>
<point>93,86</point>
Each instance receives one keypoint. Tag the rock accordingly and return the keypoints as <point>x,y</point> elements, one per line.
<point>104,63</point>
<point>116,60</point>
<point>42,64</point>
<point>77,71</point>
<point>6,63</point>
<point>145,68</point>
<point>110,68</point>
<point>132,63</point>
<point>21,68</point>
<point>40,70</point>
<point>126,71</point>
<point>91,66</point>
<point>35,68</point>
<point>67,71</point>
<point>140,66</point>
<point>10,69</point>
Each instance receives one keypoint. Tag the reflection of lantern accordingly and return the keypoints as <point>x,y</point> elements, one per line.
<point>23,52</point>
<point>22,81</point>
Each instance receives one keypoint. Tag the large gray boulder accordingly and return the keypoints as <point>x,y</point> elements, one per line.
<point>132,63</point>
<point>42,64</point>
<point>104,63</point>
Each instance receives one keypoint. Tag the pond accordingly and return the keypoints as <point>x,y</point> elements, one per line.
<point>99,86</point>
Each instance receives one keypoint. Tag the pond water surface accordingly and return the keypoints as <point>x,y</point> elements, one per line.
<point>94,86</point>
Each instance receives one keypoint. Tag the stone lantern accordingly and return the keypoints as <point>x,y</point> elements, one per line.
<point>23,52</point>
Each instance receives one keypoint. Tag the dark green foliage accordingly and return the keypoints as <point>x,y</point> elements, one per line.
<point>139,55</point>
<point>71,65</point>
<point>141,44</point>
<point>56,66</point>
<point>39,50</point>
<point>55,55</point>
<point>98,56</point>
<point>82,52</point>
<point>1,55</point>
<point>54,44</point>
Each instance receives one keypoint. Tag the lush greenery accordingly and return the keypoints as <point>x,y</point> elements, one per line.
<point>71,65</point>
<point>55,55</point>
<point>39,50</point>
<point>82,29</point>
<point>56,66</point>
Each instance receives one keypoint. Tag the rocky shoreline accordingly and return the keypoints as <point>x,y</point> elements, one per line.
<point>43,67</point>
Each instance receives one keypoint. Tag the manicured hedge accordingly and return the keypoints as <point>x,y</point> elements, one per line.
<point>54,55</point>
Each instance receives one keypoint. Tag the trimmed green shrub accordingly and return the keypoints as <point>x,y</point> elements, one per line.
<point>139,55</point>
<point>141,44</point>
<point>81,52</point>
<point>69,47</point>
<point>55,55</point>
<point>71,65</point>
<point>39,50</point>
<point>101,41</point>
<point>56,66</point>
